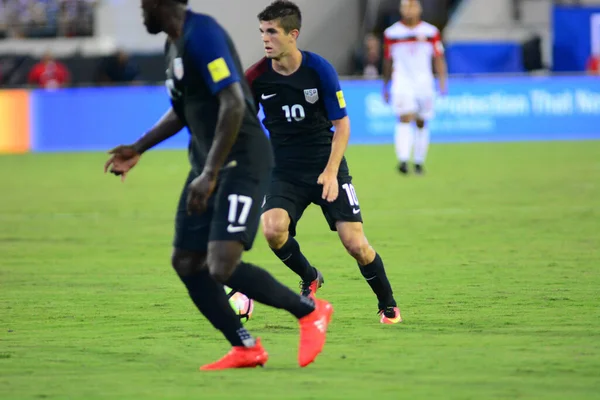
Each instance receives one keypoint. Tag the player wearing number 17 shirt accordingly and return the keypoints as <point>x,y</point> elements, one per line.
<point>231,161</point>
<point>305,114</point>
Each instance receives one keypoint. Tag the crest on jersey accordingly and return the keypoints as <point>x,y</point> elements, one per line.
<point>311,95</point>
<point>178,68</point>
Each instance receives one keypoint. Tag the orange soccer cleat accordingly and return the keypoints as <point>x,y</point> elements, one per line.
<point>391,315</point>
<point>313,331</point>
<point>309,288</point>
<point>240,357</point>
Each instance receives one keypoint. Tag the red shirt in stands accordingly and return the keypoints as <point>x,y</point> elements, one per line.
<point>593,65</point>
<point>48,74</point>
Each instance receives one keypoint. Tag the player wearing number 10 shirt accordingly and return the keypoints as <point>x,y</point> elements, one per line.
<point>305,114</point>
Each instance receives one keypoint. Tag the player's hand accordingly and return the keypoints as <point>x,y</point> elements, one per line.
<point>443,90</point>
<point>386,96</point>
<point>330,185</point>
<point>122,159</point>
<point>199,192</point>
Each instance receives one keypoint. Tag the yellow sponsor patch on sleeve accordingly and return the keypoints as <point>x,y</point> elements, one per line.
<point>341,100</point>
<point>218,70</point>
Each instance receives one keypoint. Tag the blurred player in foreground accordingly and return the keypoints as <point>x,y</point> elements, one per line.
<point>302,100</point>
<point>409,46</point>
<point>231,158</point>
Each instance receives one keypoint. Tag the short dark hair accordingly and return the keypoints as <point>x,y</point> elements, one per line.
<point>287,12</point>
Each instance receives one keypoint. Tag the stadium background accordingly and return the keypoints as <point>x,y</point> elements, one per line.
<point>493,253</point>
<point>518,71</point>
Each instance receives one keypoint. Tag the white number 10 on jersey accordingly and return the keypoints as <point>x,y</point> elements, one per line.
<point>296,112</point>
<point>351,193</point>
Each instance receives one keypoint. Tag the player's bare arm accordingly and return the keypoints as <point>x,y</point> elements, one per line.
<point>441,70</point>
<point>338,147</point>
<point>125,157</point>
<point>387,77</point>
<point>231,113</point>
<point>387,68</point>
<point>166,127</point>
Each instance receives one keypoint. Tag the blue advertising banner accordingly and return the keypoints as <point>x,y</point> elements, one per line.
<point>97,118</point>
<point>484,57</point>
<point>491,109</point>
<point>475,110</point>
<point>576,35</point>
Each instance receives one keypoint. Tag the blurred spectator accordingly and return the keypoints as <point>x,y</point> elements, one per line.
<point>9,67</point>
<point>3,19</point>
<point>117,68</point>
<point>49,73</point>
<point>46,18</point>
<point>593,64</point>
<point>368,60</point>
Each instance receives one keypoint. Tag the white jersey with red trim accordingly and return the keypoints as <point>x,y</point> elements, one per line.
<point>412,49</point>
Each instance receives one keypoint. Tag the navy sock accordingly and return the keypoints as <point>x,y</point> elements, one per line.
<point>374,274</point>
<point>291,256</point>
<point>209,297</point>
<point>261,286</point>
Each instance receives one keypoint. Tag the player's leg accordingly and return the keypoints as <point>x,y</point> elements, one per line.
<point>405,107</point>
<point>226,266</point>
<point>344,216</point>
<point>189,261</point>
<point>371,267</point>
<point>282,208</point>
<point>209,297</point>
<point>421,146</point>
<point>233,229</point>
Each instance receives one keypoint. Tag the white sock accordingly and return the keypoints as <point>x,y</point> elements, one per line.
<point>403,140</point>
<point>421,145</point>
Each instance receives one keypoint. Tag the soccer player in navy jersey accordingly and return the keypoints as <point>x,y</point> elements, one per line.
<point>305,114</point>
<point>231,162</point>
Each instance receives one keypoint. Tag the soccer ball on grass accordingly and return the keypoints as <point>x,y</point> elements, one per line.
<point>241,304</point>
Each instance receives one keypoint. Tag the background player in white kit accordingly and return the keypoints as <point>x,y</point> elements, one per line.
<point>409,46</point>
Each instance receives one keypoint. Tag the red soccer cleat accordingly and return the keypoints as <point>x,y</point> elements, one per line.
<point>240,357</point>
<point>391,315</point>
<point>313,330</point>
<point>309,288</point>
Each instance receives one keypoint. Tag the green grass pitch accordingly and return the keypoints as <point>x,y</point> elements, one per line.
<point>494,256</point>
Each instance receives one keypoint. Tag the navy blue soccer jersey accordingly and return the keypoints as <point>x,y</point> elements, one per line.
<point>299,110</point>
<point>200,64</point>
